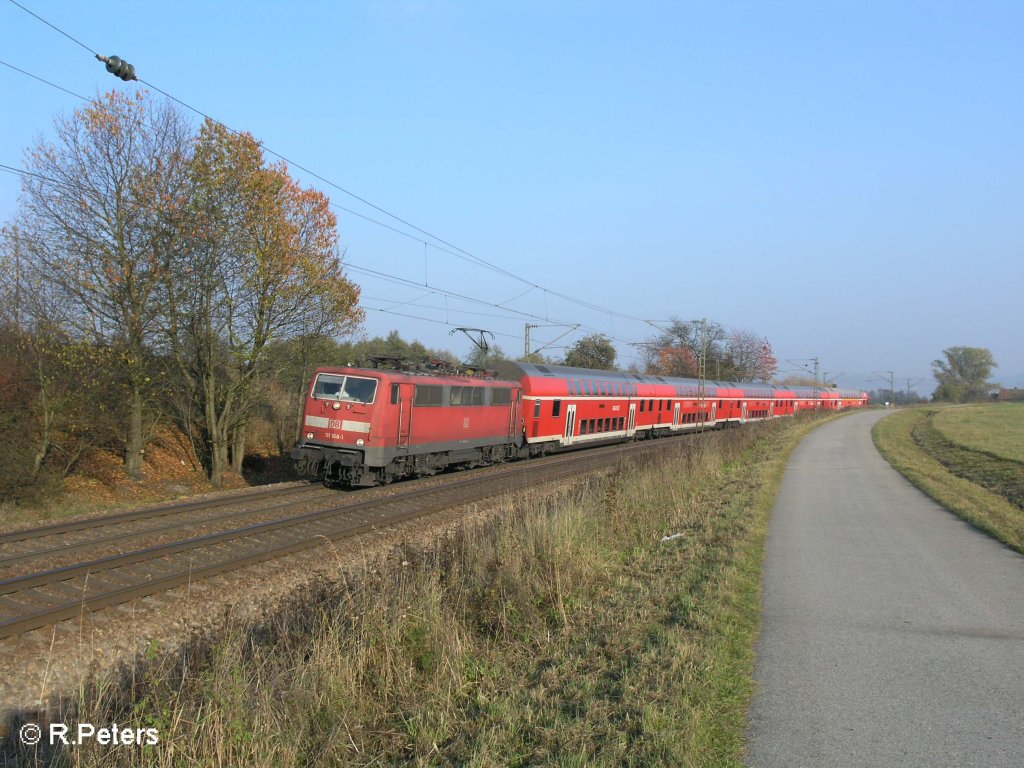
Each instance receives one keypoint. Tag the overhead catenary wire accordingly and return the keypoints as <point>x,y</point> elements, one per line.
<point>453,294</point>
<point>471,256</point>
<point>375,273</point>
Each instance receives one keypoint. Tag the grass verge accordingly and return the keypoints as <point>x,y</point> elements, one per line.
<point>566,631</point>
<point>979,487</point>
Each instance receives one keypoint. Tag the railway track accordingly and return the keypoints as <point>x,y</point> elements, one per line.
<point>45,597</point>
<point>56,543</point>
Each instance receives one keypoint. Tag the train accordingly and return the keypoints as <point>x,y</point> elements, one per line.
<point>370,426</point>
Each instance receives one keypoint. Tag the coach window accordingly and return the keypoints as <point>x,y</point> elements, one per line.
<point>650,405</point>
<point>642,404</point>
<point>556,408</point>
<point>536,409</point>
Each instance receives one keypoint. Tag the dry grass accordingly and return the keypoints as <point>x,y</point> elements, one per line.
<point>99,484</point>
<point>942,470</point>
<point>564,632</point>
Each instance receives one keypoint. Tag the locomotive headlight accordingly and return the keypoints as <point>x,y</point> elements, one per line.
<point>359,441</point>
<point>309,435</point>
<point>336,405</point>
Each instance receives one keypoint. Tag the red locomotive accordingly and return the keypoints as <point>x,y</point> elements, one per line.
<point>368,426</point>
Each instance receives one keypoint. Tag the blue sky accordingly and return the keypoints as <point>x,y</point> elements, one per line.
<point>846,179</point>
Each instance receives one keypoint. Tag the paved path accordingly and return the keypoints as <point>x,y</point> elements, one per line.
<point>893,632</point>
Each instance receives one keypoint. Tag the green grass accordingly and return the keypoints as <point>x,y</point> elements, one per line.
<point>994,428</point>
<point>974,483</point>
<point>564,632</point>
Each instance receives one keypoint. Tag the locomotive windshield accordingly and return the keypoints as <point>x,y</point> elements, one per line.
<point>330,386</point>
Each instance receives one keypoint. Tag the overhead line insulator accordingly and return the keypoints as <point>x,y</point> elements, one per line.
<point>118,67</point>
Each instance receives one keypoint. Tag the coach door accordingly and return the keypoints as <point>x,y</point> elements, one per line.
<point>631,425</point>
<point>570,424</point>
<point>675,415</point>
<point>714,413</point>
<point>516,429</point>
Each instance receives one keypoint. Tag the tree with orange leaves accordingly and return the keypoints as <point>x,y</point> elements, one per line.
<point>256,261</point>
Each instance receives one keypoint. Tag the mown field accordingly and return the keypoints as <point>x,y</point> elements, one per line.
<point>996,428</point>
<point>612,624</point>
<point>968,458</point>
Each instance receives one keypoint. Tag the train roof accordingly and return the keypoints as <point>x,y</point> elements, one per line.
<point>518,369</point>
<point>515,369</point>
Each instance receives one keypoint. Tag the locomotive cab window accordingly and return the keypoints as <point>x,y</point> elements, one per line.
<point>501,396</point>
<point>331,386</point>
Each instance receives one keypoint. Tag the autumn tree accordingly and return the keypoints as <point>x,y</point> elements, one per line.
<point>747,357</point>
<point>595,351</point>
<point>728,355</point>
<point>94,203</point>
<point>677,351</point>
<point>674,361</point>
<point>963,374</point>
<point>255,260</point>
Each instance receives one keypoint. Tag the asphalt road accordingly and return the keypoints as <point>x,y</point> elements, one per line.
<point>893,632</point>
